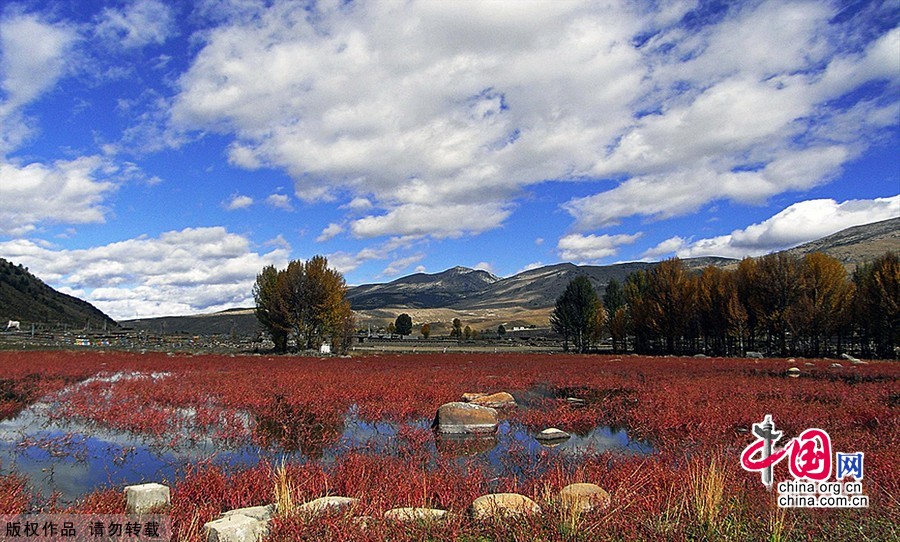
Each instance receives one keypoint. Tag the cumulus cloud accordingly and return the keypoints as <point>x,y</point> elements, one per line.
<point>416,111</point>
<point>686,190</point>
<point>330,232</point>
<point>191,271</point>
<point>800,223</point>
<point>33,55</point>
<point>449,105</point>
<point>398,266</point>
<point>141,23</point>
<point>346,262</point>
<point>64,192</point>
<point>669,246</point>
<point>583,248</point>
<point>438,221</point>
<point>239,201</point>
<point>280,201</point>
<point>530,266</point>
<point>484,266</point>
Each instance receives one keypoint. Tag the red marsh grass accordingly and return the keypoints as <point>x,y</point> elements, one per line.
<point>696,414</point>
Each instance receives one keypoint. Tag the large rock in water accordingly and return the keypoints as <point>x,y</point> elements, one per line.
<point>552,437</point>
<point>495,400</point>
<point>465,418</point>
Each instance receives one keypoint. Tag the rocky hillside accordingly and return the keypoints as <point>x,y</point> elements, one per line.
<point>239,322</point>
<point>858,244</point>
<point>25,298</point>
<point>539,288</point>
<point>422,290</point>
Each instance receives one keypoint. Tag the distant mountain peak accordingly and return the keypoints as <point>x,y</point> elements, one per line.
<point>460,270</point>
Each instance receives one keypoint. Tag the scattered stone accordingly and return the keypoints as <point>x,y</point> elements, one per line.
<point>851,359</point>
<point>583,497</point>
<point>503,505</point>
<point>837,366</point>
<point>808,364</point>
<point>793,372</point>
<point>495,400</point>
<point>575,401</point>
<point>700,356</point>
<point>143,498</point>
<point>235,528</point>
<point>755,355</point>
<point>408,515</point>
<point>324,505</point>
<point>260,513</point>
<point>465,418</point>
<point>552,435</point>
<point>471,396</point>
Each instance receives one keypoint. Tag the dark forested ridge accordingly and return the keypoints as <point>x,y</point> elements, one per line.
<point>25,298</point>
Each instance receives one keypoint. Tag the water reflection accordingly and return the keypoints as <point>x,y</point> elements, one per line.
<point>74,457</point>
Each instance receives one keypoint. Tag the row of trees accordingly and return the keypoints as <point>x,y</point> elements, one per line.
<point>403,325</point>
<point>305,302</point>
<point>779,304</point>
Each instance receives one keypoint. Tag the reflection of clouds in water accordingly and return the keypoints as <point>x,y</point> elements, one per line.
<point>108,457</point>
<point>601,439</point>
<point>96,456</point>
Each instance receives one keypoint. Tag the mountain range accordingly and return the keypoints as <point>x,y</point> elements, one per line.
<point>475,296</point>
<point>466,289</point>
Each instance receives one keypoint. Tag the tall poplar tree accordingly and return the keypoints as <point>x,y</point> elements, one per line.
<point>307,300</point>
<point>578,315</point>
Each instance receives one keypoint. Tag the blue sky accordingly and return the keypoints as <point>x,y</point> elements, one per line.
<point>155,155</point>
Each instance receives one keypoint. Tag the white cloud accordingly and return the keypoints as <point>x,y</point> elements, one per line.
<point>485,266</point>
<point>330,232</point>
<point>239,201</point>
<point>65,192</point>
<point>280,201</point>
<point>400,265</point>
<point>438,221</point>
<point>180,272</point>
<point>420,107</point>
<point>529,267</point>
<point>346,262</point>
<point>669,246</point>
<point>358,204</point>
<point>141,23</point>
<point>33,57</point>
<point>800,223</point>
<point>686,190</point>
<point>416,108</point>
<point>581,248</point>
